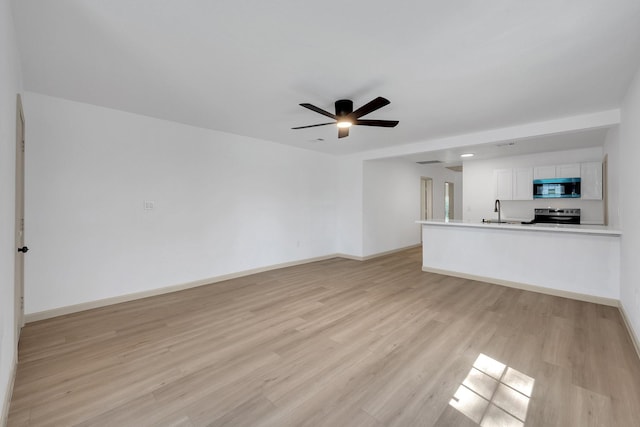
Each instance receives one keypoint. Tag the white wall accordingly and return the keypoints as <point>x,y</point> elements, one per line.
<point>223,203</point>
<point>10,86</point>
<point>391,200</point>
<point>350,199</point>
<point>526,257</point>
<point>630,205</point>
<point>612,183</point>
<point>479,194</point>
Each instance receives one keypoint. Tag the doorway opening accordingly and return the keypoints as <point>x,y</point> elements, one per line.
<point>426,198</point>
<point>448,201</point>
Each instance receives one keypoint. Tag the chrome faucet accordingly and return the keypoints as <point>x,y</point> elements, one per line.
<point>496,208</point>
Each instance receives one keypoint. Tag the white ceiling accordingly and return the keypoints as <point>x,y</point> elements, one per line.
<point>243,66</point>
<point>517,147</point>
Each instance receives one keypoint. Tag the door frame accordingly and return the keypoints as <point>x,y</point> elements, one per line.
<point>19,221</point>
<point>449,204</point>
<point>426,198</point>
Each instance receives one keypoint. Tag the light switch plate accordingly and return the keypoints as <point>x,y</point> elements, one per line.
<point>149,205</point>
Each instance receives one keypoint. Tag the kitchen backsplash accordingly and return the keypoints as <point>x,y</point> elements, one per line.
<point>591,210</point>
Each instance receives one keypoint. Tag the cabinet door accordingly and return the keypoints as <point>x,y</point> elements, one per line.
<point>568,171</point>
<point>591,181</point>
<point>544,172</point>
<point>523,184</point>
<point>504,184</point>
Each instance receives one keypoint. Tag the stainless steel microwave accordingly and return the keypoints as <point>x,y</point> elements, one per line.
<point>555,188</point>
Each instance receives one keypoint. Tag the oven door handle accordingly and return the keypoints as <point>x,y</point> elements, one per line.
<point>560,218</point>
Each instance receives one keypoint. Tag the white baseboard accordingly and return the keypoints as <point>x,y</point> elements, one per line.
<point>69,309</point>
<point>635,338</point>
<point>8,394</point>
<point>539,289</point>
<point>378,255</point>
<point>61,311</point>
<point>351,257</point>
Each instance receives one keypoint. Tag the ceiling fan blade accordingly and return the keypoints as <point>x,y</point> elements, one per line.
<point>319,110</point>
<point>342,132</point>
<point>312,126</point>
<point>379,102</point>
<point>381,123</point>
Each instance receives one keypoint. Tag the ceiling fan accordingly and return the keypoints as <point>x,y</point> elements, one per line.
<point>345,117</point>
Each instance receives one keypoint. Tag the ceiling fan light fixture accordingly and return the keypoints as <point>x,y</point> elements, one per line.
<point>345,116</point>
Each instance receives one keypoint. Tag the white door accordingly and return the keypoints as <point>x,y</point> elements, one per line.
<point>19,226</point>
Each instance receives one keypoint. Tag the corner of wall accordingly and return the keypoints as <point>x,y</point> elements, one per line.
<point>350,207</point>
<point>6,403</point>
<point>629,152</point>
<point>635,338</point>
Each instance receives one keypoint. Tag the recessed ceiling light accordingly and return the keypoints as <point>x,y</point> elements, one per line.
<point>467,155</point>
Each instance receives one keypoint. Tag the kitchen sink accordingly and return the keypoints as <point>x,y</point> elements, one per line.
<point>495,221</point>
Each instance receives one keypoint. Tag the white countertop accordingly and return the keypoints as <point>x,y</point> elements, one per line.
<point>564,228</point>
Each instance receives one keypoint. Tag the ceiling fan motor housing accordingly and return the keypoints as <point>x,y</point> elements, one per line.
<point>344,107</point>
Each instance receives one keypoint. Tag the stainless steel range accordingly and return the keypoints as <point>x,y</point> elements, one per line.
<point>557,216</point>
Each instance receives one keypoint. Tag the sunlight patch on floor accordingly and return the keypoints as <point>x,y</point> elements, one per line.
<point>494,394</point>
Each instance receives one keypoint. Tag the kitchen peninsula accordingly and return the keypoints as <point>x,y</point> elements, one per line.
<point>575,261</point>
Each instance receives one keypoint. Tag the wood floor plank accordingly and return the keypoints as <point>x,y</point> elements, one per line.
<point>331,343</point>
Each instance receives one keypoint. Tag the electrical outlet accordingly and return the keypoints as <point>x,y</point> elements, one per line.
<point>149,205</point>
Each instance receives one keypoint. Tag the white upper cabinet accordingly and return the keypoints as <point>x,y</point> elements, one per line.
<point>517,183</point>
<point>514,184</point>
<point>544,172</point>
<point>591,181</point>
<point>504,183</point>
<point>570,170</point>
<point>522,184</point>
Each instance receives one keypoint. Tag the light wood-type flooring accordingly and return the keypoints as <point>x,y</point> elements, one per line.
<point>332,343</point>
